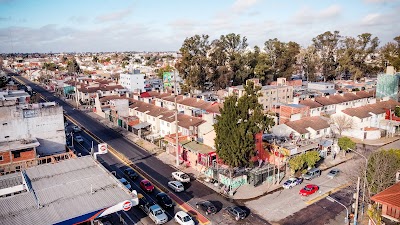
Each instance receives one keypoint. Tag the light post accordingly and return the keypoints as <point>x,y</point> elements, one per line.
<point>365,179</point>
<point>346,220</point>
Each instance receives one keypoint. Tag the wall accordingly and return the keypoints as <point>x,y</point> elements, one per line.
<point>132,82</point>
<point>45,124</point>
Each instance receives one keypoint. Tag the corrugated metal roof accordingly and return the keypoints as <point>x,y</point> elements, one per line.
<point>64,191</point>
<point>10,180</point>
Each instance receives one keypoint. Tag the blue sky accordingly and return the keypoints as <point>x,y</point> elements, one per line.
<point>149,25</point>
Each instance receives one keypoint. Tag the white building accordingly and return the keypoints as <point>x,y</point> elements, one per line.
<point>134,82</point>
<point>43,121</point>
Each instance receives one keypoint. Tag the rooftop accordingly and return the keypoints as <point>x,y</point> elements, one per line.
<point>63,191</point>
<point>390,196</point>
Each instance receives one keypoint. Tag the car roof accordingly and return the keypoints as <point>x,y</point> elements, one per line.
<point>175,182</point>
<point>145,181</point>
<point>162,194</point>
<point>182,213</point>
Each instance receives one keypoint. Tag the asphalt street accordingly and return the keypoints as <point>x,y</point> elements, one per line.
<point>156,169</point>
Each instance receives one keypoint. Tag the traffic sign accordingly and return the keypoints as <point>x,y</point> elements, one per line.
<point>103,149</point>
<point>127,205</point>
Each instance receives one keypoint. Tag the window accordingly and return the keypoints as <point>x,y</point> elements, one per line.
<point>318,132</point>
<point>17,154</point>
<point>1,158</point>
<point>4,124</point>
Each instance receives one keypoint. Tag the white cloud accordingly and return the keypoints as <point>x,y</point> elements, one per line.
<point>240,6</point>
<point>306,15</point>
<point>372,19</point>
<point>114,16</point>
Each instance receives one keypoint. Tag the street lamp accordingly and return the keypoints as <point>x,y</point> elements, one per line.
<point>346,219</point>
<point>365,178</point>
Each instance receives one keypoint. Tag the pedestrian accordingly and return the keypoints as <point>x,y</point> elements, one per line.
<point>334,155</point>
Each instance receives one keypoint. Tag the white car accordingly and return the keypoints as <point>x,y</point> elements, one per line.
<point>291,182</point>
<point>126,183</point>
<point>176,186</point>
<point>183,218</point>
<point>181,176</point>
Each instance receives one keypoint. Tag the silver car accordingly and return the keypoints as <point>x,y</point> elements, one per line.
<point>333,173</point>
<point>176,186</point>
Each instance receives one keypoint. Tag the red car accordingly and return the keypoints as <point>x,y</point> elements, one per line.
<point>146,185</point>
<point>309,189</point>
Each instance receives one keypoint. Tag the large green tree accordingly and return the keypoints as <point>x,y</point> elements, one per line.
<point>193,66</point>
<point>282,57</point>
<point>391,53</point>
<point>353,52</point>
<point>73,66</point>
<point>240,119</point>
<point>326,45</point>
<point>346,143</point>
<point>382,168</point>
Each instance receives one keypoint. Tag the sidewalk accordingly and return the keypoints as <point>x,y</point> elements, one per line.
<point>244,193</point>
<point>378,142</point>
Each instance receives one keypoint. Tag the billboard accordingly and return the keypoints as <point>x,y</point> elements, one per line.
<point>167,79</point>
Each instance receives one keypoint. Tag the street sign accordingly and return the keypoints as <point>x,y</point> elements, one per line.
<point>103,149</point>
<point>127,205</point>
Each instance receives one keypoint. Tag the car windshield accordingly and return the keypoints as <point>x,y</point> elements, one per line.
<point>167,200</point>
<point>186,219</point>
<point>158,212</point>
<point>147,184</point>
<point>307,188</point>
<point>184,176</point>
<point>125,182</point>
<point>288,182</point>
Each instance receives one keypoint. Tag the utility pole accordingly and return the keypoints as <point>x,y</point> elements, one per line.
<point>176,123</point>
<point>356,202</point>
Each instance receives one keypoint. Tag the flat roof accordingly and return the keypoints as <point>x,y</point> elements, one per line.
<point>10,180</point>
<point>64,190</point>
<point>18,145</point>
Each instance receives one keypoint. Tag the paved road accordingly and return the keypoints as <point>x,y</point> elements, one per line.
<point>322,212</point>
<point>146,162</point>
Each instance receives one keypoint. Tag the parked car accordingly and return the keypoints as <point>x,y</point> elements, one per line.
<point>333,173</point>
<point>183,218</point>
<point>76,129</point>
<point>146,185</point>
<point>312,173</point>
<point>207,207</point>
<point>309,189</point>
<point>291,182</point>
<point>131,173</point>
<point>164,200</point>
<point>154,211</point>
<point>126,183</point>
<point>176,186</point>
<point>236,212</point>
<point>181,176</point>
<point>79,139</point>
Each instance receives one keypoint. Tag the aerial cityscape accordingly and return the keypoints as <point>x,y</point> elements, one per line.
<point>200,112</point>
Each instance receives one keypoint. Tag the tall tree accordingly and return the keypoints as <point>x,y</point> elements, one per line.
<point>353,52</point>
<point>73,67</point>
<point>193,65</point>
<point>310,61</point>
<point>282,57</point>
<point>240,119</point>
<point>382,168</point>
<point>326,46</point>
<point>391,53</point>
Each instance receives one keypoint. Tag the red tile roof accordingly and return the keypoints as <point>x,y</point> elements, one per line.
<point>314,122</point>
<point>310,103</point>
<point>390,196</point>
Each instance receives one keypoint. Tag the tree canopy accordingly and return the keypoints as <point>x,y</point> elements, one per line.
<point>240,119</point>
<point>229,60</point>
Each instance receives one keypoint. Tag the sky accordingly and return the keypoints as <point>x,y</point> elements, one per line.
<point>147,25</point>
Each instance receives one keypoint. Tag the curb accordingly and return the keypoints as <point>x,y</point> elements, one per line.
<point>309,202</point>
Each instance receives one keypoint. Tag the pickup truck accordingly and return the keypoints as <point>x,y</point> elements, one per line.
<point>181,176</point>
<point>154,211</point>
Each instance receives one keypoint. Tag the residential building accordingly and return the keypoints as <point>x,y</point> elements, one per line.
<point>321,87</point>
<point>71,191</point>
<point>43,122</point>
<point>388,202</point>
<point>134,82</point>
<point>270,96</point>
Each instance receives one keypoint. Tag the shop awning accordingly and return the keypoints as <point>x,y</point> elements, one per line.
<point>141,125</point>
